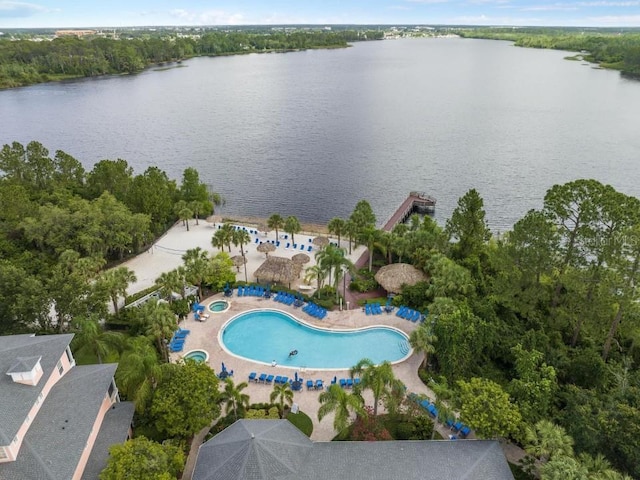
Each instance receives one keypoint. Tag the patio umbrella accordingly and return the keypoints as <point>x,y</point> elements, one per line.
<point>263,227</point>
<point>238,261</point>
<point>266,248</point>
<point>393,277</point>
<point>224,369</point>
<point>301,258</point>
<point>320,241</point>
<point>296,376</point>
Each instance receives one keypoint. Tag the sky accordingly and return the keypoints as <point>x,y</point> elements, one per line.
<point>120,13</point>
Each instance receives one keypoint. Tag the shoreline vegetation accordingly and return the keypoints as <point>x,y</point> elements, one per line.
<point>606,48</point>
<point>28,58</point>
<point>533,336</point>
<point>26,61</point>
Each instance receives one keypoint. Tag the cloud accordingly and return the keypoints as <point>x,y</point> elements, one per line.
<point>614,21</point>
<point>550,8</point>
<point>20,9</point>
<point>428,2</point>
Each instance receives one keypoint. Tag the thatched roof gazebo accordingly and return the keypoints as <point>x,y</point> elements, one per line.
<point>279,270</point>
<point>320,241</point>
<point>393,277</point>
<point>300,259</point>
<point>266,248</point>
<point>238,261</point>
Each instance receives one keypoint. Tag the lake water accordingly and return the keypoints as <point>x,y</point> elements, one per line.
<point>311,133</point>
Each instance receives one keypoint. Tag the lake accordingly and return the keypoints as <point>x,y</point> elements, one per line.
<point>312,133</point>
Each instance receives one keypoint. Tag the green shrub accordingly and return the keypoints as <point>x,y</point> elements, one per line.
<point>140,294</point>
<point>364,281</point>
<point>302,421</point>
<point>404,431</point>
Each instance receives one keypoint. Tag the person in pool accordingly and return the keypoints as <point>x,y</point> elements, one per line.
<point>293,352</point>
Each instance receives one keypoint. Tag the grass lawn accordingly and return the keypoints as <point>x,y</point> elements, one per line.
<point>302,421</point>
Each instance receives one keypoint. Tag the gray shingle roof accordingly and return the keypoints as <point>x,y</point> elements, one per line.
<point>24,364</point>
<point>224,457</point>
<point>17,399</point>
<point>253,450</point>
<point>114,430</point>
<point>58,435</point>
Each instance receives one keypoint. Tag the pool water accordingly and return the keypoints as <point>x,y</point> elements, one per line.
<point>267,335</point>
<point>218,306</point>
<point>197,355</point>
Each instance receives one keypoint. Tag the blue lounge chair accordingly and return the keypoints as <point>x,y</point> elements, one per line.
<point>269,379</point>
<point>284,380</point>
<point>252,376</point>
<point>287,245</point>
<point>257,240</point>
<point>309,248</point>
<point>349,382</point>
<point>464,431</point>
<point>456,426</point>
<point>309,384</point>
<point>262,378</point>
<point>301,247</point>
<point>343,383</point>
<point>319,384</point>
<point>278,379</point>
<point>356,381</point>
<point>425,404</point>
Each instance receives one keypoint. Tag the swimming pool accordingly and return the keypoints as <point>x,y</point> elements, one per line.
<point>197,355</point>
<point>266,335</point>
<point>218,306</point>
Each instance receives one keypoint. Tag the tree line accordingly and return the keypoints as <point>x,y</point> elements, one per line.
<point>610,49</point>
<point>25,62</point>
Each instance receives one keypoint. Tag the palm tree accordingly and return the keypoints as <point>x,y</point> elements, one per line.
<point>292,226</point>
<point>196,207</point>
<point>351,229</point>
<point>333,259</point>
<point>241,237</point>
<point>116,281</point>
<point>377,378</point>
<point>283,393</point>
<point>90,336</point>
<point>547,440</point>
<point>315,272</point>
<point>368,236</point>
<point>342,403</point>
<point>234,397</point>
<point>599,467</point>
<point>422,340</point>
<point>159,323</point>
<point>139,372</point>
<point>196,267</point>
<point>275,221</point>
<point>228,230</point>
<point>171,282</point>
<point>338,227</point>
<point>219,239</point>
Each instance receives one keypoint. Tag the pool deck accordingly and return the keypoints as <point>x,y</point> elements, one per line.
<point>204,335</point>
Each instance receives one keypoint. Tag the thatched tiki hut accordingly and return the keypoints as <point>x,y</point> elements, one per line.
<point>266,248</point>
<point>393,277</point>
<point>278,270</point>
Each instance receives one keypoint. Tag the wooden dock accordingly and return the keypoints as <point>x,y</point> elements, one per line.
<point>415,202</point>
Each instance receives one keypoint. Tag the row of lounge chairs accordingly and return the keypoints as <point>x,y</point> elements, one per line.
<point>318,384</point>
<point>315,310</point>
<point>454,425</point>
<point>409,314</point>
<point>177,341</point>
<point>251,291</point>
<point>287,299</point>
<point>372,308</point>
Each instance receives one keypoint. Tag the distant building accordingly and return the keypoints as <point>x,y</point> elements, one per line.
<point>77,33</point>
<point>277,450</point>
<point>57,420</point>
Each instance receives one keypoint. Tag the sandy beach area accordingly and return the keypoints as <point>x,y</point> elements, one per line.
<point>166,253</point>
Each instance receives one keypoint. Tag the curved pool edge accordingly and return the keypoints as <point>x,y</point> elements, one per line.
<point>306,324</point>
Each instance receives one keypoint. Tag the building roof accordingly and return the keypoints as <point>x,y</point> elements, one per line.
<point>65,420</point>
<point>17,399</point>
<point>24,364</point>
<point>234,453</point>
<point>114,430</point>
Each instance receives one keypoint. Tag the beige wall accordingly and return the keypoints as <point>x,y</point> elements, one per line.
<point>104,408</point>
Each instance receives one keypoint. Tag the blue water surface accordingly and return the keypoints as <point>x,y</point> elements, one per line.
<point>267,335</point>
